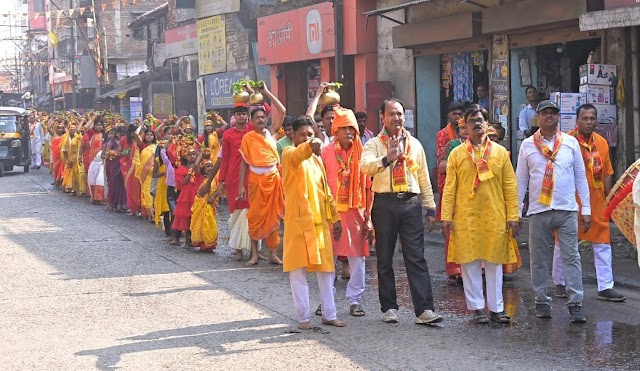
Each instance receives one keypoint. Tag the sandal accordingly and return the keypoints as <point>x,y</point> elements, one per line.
<point>319,310</point>
<point>500,318</point>
<point>356,310</point>
<point>480,317</point>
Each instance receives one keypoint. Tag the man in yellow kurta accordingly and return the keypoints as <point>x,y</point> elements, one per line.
<point>309,214</point>
<point>265,196</point>
<point>595,153</point>
<point>75,178</point>
<point>480,216</point>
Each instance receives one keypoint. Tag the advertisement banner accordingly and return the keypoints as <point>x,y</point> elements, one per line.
<point>297,35</point>
<point>212,48</point>
<point>217,88</point>
<point>135,108</point>
<point>181,41</point>
<point>205,8</point>
<point>161,105</point>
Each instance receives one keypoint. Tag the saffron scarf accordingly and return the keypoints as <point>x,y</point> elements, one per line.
<point>547,180</point>
<point>483,172</point>
<point>351,182</point>
<point>592,157</point>
<point>403,165</point>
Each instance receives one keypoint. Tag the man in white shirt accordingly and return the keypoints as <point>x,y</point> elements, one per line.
<point>550,165</point>
<point>36,134</point>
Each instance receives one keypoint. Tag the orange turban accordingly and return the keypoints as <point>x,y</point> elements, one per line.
<point>351,194</point>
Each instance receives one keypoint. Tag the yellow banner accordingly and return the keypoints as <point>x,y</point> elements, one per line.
<point>212,45</point>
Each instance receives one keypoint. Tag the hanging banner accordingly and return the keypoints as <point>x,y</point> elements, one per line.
<point>212,46</point>
<point>205,8</point>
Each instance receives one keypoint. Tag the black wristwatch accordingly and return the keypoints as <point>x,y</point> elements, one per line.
<point>385,162</point>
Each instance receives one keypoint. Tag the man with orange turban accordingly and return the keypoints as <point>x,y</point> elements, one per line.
<point>351,190</point>
<point>265,195</point>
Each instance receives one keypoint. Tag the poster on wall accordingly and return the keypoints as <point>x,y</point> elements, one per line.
<point>162,105</point>
<point>135,108</point>
<point>200,99</point>
<point>212,48</point>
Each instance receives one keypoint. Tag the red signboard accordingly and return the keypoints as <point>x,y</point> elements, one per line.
<point>180,41</point>
<point>36,14</point>
<point>297,35</point>
<point>611,4</point>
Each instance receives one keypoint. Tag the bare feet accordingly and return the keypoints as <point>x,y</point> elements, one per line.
<point>262,257</point>
<point>335,322</point>
<point>239,255</point>
<point>273,258</point>
<point>175,242</point>
<point>252,261</point>
<point>305,326</point>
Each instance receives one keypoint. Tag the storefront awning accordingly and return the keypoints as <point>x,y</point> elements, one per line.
<point>120,91</point>
<point>610,18</point>
<point>382,11</point>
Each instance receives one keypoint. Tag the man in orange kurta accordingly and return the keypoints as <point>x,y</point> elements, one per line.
<point>265,195</point>
<point>595,153</point>
<point>310,213</point>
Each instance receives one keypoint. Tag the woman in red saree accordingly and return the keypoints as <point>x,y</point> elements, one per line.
<point>57,166</point>
<point>129,161</point>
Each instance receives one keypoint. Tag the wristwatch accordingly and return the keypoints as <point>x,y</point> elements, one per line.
<point>385,162</point>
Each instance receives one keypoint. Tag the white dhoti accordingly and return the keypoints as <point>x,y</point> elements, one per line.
<point>239,230</point>
<point>36,151</point>
<point>472,280</point>
<point>300,292</point>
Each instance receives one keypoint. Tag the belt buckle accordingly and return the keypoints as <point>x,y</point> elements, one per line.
<point>400,195</point>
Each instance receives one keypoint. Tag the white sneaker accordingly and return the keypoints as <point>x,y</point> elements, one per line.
<point>428,317</point>
<point>390,316</point>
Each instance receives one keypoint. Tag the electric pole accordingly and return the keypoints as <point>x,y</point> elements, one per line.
<point>73,58</point>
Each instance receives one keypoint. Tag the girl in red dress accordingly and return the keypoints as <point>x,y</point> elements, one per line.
<point>188,179</point>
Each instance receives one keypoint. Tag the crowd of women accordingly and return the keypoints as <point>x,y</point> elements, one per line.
<point>157,170</point>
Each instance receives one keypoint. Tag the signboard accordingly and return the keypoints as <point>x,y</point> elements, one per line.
<point>297,35</point>
<point>181,41</point>
<point>612,4</point>
<point>205,8</point>
<point>161,105</point>
<point>212,49</point>
<point>135,108</point>
<point>217,88</point>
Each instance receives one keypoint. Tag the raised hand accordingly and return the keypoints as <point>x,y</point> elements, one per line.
<point>393,150</point>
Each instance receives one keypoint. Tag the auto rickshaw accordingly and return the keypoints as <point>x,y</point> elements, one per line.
<point>15,144</point>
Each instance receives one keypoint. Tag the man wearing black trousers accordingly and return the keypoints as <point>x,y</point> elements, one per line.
<point>402,188</point>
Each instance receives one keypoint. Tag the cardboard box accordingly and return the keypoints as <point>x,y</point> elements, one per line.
<point>600,74</point>
<point>607,113</point>
<point>568,102</point>
<point>609,132</point>
<point>598,94</point>
<point>567,122</point>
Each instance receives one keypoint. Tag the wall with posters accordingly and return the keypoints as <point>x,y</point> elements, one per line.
<point>212,50</point>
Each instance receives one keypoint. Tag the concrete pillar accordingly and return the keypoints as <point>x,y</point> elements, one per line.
<point>278,84</point>
<point>366,69</point>
<point>327,69</point>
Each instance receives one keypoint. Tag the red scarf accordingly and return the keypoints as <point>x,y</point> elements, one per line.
<point>351,181</point>
<point>399,173</point>
<point>547,181</point>
<point>591,156</point>
<point>483,172</point>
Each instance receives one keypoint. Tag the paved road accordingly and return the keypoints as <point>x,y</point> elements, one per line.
<point>83,288</point>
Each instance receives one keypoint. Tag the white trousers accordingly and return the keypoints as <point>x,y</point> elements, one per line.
<point>36,152</point>
<point>601,260</point>
<point>300,292</point>
<point>356,284</point>
<point>239,231</point>
<point>472,280</point>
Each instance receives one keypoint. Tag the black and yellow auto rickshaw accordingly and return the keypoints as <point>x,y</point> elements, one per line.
<point>15,144</point>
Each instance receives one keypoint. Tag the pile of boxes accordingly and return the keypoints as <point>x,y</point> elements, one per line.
<point>597,88</point>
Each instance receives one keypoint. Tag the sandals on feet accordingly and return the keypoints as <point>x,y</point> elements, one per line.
<point>500,318</point>
<point>356,310</point>
<point>319,310</point>
<point>480,317</point>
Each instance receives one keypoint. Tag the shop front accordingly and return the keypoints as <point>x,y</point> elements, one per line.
<point>299,46</point>
<point>509,47</point>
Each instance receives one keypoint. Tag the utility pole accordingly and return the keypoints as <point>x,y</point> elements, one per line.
<point>73,58</point>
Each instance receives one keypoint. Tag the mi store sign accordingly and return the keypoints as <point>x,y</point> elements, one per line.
<point>282,36</point>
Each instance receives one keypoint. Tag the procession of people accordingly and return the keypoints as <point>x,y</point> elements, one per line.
<point>340,191</point>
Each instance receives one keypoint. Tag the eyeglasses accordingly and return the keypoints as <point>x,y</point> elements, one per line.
<point>480,120</point>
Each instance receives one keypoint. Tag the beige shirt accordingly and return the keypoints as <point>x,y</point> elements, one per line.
<point>419,182</point>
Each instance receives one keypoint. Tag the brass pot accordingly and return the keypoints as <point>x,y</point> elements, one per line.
<point>330,96</point>
<point>242,97</point>
<point>256,98</point>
